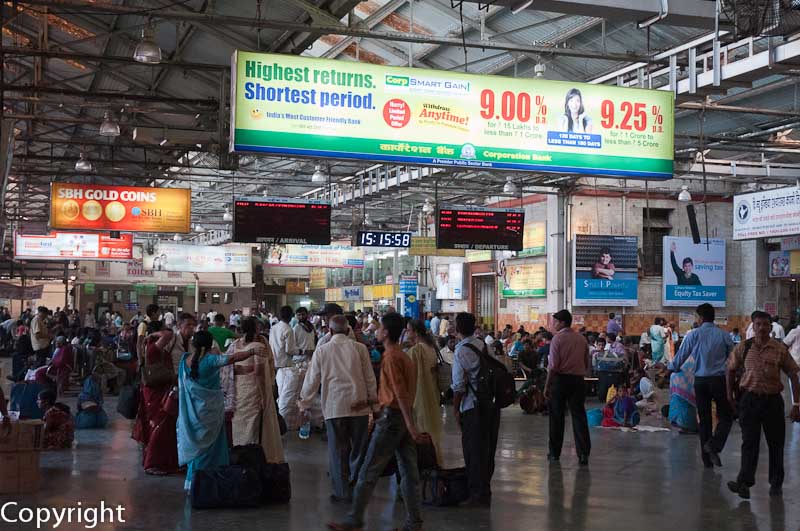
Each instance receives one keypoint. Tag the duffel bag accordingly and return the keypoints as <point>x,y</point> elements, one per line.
<point>443,488</point>
<point>226,487</point>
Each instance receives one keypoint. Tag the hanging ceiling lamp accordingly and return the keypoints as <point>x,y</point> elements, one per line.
<point>319,176</point>
<point>227,216</point>
<point>684,196</point>
<point>109,127</point>
<point>510,187</point>
<point>177,237</point>
<point>82,164</point>
<point>147,51</point>
<point>427,207</point>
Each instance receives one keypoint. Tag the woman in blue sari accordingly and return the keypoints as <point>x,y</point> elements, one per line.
<point>202,442</point>
<point>682,404</point>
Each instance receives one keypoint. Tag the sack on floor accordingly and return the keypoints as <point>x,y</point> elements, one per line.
<point>594,417</point>
<point>277,483</point>
<point>226,487</point>
<point>128,403</point>
<point>443,488</point>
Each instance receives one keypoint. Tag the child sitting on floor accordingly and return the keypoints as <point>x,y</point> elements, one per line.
<point>59,429</point>
<point>621,410</point>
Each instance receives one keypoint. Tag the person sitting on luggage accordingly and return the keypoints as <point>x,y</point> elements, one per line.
<point>529,363</point>
<point>90,405</point>
<point>59,429</point>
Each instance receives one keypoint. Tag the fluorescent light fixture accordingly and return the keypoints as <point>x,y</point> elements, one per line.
<point>109,127</point>
<point>319,176</point>
<point>82,164</point>
<point>147,51</point>
<point>520,6</point>
<point>684,196</point>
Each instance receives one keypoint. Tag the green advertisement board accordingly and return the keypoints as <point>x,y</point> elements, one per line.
<point>523,281</point>
<point>285,104</point>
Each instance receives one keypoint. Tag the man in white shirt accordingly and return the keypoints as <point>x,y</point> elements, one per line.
<point>40,336</point>
<point>777,330</point>
<point>329,311</point>
<point>304,335</point>
<point>342,367</point>
<point>489,339</point>
<point>169,319</point>
<point>435,322</point>
<point>444,327</point>
<point>281,340</point>
<point>89,321</point>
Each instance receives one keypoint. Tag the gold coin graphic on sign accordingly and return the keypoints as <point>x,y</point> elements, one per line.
<point>70,209</point>
<point>92,210</point>
<point>115,211</point>
<point>412,298</point>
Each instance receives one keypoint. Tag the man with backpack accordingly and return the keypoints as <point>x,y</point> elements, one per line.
<point>478,416</point>
<point>710,347</point>
<point>568,365</point>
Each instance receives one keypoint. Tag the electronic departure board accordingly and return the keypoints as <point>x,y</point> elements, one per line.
<point>466,227</point>
<point>281,221</point>
<point>377,238</point>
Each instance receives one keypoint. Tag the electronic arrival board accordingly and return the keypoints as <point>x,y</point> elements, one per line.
<point>466,227</point>
<point>281,221</point>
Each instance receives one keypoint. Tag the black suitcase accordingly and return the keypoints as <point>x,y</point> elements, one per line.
<point>277,483</point>
<point>128,403</point>
<point>226,487</point>
<point>443,488</point>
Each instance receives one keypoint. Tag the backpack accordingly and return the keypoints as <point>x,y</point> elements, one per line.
<point>496,385</point>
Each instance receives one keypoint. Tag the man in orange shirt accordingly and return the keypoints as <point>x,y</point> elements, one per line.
<point>395,432</point>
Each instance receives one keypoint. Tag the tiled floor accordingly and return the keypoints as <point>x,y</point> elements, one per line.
<point>636,481</point>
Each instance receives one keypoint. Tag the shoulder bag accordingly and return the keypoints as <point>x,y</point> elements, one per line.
<point>157,374</point>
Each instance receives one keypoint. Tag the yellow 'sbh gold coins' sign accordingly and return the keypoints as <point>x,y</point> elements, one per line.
<point>120,208</point>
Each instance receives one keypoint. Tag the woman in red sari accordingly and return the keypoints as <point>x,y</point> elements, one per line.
<point>154,427</point>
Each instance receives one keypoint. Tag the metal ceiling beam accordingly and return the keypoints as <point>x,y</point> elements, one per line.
<point>692,13</point>
<point>317,29</point>
<point>50,54</point>
<point>111,96</point>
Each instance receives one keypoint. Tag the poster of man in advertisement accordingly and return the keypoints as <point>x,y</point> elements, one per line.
<point>693,273</point>
<point>442,281</point>
<point>605,272</point>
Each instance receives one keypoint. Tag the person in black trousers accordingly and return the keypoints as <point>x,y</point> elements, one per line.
<point>761,404</point>
<point>710,346</point>
<point>565,387</point>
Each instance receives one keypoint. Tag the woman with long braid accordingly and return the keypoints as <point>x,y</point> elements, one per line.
<point>202,443</point>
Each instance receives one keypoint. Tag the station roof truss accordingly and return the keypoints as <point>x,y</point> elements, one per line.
<point>66,63</point>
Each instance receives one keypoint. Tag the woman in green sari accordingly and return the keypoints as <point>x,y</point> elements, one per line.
<point>658,339</point>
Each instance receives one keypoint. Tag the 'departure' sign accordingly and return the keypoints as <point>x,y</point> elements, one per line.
<point>317,107</point>
<point>119,208</point>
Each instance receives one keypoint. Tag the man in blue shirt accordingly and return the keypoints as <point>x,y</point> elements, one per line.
<point>479,422</point>
<point>710,346</point>
<point>613,326</point>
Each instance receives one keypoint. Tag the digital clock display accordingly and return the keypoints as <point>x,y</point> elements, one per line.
<point>375,238</point>
<point>278,220</point>
<point>496,229</point>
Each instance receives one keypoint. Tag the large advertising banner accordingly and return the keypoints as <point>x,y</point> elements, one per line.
<point>767,214</point>
<point>73,246</point>
<point>784,264</point>
<point>534,239</point>
<point>605,270</point>
<point>316,256</point>
<point>524,280</point>
<point>450,281</point>
<point>119,208</point>
<point>231,258</point>
<point>293,105</point>
<point>693,273</point>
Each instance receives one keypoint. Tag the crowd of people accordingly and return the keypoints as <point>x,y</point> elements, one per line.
<point>377,383</point>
